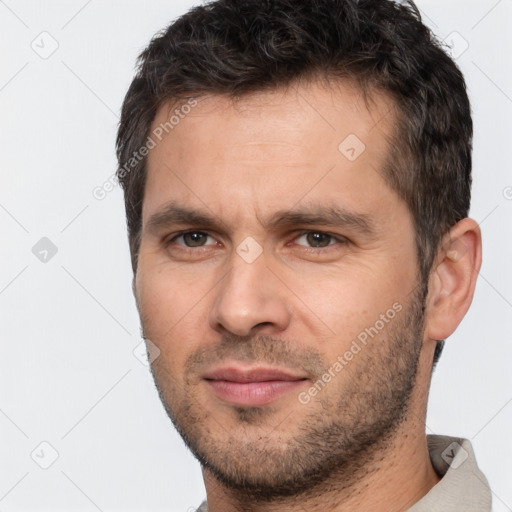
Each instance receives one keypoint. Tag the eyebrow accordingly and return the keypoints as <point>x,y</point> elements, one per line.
<point>174,213</point>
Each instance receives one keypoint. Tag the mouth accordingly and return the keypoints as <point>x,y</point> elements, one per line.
<point>252,386</point>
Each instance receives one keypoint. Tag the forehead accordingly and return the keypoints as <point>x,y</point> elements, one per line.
<point>269,149</point>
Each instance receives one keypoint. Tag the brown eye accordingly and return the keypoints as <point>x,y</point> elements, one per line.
<point>316,239</point>
<point>192,239</point>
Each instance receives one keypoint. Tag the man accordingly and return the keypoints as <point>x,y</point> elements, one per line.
<point>297,184</point>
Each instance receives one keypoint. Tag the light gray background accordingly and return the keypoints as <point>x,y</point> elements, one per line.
<point>68,374</point>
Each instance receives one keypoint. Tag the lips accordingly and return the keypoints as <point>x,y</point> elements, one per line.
<point>258,374</point>
<point>255,386</point>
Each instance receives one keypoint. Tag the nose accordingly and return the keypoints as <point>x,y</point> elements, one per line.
<point>250,298</point>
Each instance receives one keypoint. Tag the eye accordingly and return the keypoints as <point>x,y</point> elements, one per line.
<point>191,239</point>
<point>318,239</point>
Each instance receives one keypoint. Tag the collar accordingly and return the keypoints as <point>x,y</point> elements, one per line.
<point>462,486</point>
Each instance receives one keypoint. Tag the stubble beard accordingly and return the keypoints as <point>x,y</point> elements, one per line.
<point>332,445</point>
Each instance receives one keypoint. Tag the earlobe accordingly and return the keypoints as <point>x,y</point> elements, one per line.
<point>453,279</point>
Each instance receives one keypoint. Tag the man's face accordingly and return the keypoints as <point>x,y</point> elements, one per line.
<point>269,289</point>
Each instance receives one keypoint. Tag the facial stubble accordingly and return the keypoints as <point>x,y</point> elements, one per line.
<point>333,443</point>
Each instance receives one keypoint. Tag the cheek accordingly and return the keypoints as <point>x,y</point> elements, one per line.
<point>164,292</point>
<point>345,303</point>
<point>173,310</point>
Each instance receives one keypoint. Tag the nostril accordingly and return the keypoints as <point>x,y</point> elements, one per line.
<point>262,324</point>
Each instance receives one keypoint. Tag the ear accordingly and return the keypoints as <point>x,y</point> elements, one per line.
<point>134,291</point>
<point>134,285</point>
<point>453,279</point>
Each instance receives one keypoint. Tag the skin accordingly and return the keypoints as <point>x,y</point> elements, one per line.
<point>299,304</point>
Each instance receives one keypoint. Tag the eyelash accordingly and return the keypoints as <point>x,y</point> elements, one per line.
<point>338,239</point>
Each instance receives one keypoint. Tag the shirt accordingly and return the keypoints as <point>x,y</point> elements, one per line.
<point>462,488</point>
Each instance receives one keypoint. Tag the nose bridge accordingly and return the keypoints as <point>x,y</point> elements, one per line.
<point>249,296</point>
